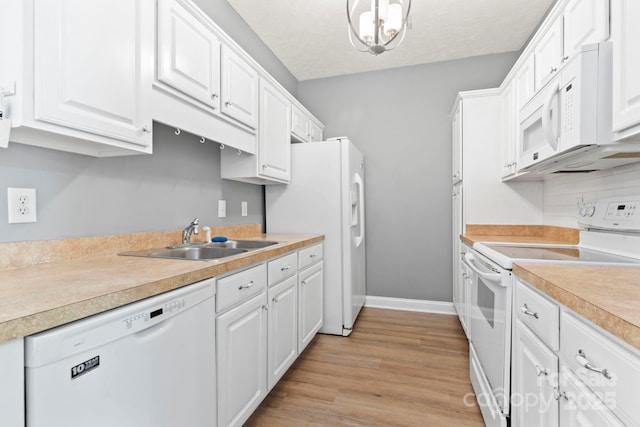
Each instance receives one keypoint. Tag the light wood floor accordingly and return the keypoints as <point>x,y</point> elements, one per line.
<point>397,368</point>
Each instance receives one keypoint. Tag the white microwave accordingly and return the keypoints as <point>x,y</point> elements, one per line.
<point>566,126</point>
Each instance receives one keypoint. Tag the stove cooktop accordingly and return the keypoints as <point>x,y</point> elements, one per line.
<point>559,253</point>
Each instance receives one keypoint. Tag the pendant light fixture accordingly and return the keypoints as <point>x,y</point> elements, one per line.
<point>381,24</point>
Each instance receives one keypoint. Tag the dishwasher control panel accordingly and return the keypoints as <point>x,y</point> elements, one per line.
<point>611,214</point>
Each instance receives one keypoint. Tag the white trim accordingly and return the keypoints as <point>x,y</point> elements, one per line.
<point>436,307</point>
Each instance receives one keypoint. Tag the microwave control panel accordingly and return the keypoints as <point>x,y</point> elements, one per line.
<point>611,214</point>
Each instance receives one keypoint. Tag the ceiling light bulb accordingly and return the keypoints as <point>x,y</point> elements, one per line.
<point>366,27</point>
<point>383,7</point>
<point>394,21</point>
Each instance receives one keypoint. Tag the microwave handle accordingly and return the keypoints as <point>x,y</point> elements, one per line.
<point>546,117</point>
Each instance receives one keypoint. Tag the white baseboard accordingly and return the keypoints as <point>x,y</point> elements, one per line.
<point>436,307</point>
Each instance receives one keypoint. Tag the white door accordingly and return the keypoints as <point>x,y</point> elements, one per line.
<point>625,35</point>
<point>299,124</point>
<point>94,66</point>
<point>274,137</point>
<point>188,52</point>
<point>242,360</point>
<point>548,54</point>
<point>315,131</point>
<point>585,22</point>
<point>310,309</point>
<point>525,85</point>
<point>535,378</point>
<point>283,328</point>
<point>239,88</point>
<point>354,285</point>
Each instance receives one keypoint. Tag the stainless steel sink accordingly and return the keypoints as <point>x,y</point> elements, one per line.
<point>243,244</point>
<point>203,251</point>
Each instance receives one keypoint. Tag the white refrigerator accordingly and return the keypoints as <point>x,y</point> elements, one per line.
<point>326,196</point>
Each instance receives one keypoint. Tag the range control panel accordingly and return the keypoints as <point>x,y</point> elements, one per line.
<point>611,214</point>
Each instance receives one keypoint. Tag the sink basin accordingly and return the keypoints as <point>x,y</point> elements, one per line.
<point>242,244</point>
<point>196,253</point>
<point>203,251</point>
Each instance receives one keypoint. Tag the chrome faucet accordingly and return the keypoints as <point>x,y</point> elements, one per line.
<point>186,233</point>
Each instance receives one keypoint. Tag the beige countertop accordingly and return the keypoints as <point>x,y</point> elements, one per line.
<point>606,296</point>
<point>39,296</point>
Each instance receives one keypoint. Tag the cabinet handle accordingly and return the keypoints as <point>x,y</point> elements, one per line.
<point>455,194</point>
<point>214,95</point>
<point>553,70</point>
<point>228,103</point>
<point>145,129</point>
<point>564,59</point>
<point>265,307</point>
<point>313,256</point>
<point>247,286</point>
<point>528,312</point>
<point>275,299</point>
<point>285,268</point>
<point>581,358</point>
<point>541,371</point>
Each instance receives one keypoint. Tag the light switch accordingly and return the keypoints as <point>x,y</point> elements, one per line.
<point>244,208</point>
<point>222,208</point>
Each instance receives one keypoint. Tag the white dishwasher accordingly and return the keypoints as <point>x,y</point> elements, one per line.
<point>149,363</point>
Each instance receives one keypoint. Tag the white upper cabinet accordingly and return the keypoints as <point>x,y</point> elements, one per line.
<point>239,88</point>
<point>524,82</point>
<point>585,22</point>
<point>83,81</point>
<point>304,128</point>
<point>625,36</point>
<point>548,54</point>
<point>456,141</point>
<point>274,146</point>
<point>509,136</point>
<point>188,52</point>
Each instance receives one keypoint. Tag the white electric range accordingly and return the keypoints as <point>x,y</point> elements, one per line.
<point>611,237</point>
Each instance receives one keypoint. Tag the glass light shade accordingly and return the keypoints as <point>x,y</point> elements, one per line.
<point>394,20</point>
<point>383,7</point>
<point>366,27</point>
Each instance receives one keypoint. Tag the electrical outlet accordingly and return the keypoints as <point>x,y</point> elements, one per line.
<point>22,205</point>
<point>222,208</point>
<point>244,208</point>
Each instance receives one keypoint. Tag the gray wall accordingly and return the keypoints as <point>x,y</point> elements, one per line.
<point>399,119</point>
<point>87,196</point>
<point>231,23</point>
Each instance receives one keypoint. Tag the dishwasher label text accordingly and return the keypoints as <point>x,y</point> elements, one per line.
<point>85,367</point>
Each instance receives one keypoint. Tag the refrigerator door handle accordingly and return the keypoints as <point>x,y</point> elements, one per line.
<point>360,184</point>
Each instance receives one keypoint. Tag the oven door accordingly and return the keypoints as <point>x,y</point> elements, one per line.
<point>490,323</point>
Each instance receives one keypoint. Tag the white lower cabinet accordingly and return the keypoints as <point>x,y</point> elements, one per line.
<point>283,329</point>
<point>534,388</point>
<point>310,308</point>
<point>12,383</point>
<point>242,360</point>
<point>587,377</point>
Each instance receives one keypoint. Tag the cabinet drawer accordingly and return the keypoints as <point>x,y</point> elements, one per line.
<point>310,255</point>
<point>540,314</point>
<point>240,286</point>
<point>282,268</point>
<point>582,344</point>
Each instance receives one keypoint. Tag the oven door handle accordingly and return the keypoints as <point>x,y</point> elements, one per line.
<point>493,277</point>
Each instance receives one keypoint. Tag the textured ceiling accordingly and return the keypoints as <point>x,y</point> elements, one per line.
<point>310,36</point>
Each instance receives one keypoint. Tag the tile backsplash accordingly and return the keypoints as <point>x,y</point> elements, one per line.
<point>563,192</point>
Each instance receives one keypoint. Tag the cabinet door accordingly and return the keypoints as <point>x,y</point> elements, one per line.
<point>299,124</point>
<point>239,88</point>
<point>579,407</point>
<point>274,137</point>
<point>625,35</point>
<point>535,376</point>
<point>94,66</point>
<point>585,21</point>
<point>315,132</point>
<point>12,382</point>
<point>456,141</point>
<point>509,135</point>
<point>310,305</point>
<point>283,328</point>
<point>188,52</point>
<point>548,54</point>
<point>242,360</point>
<point>524,84</point>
